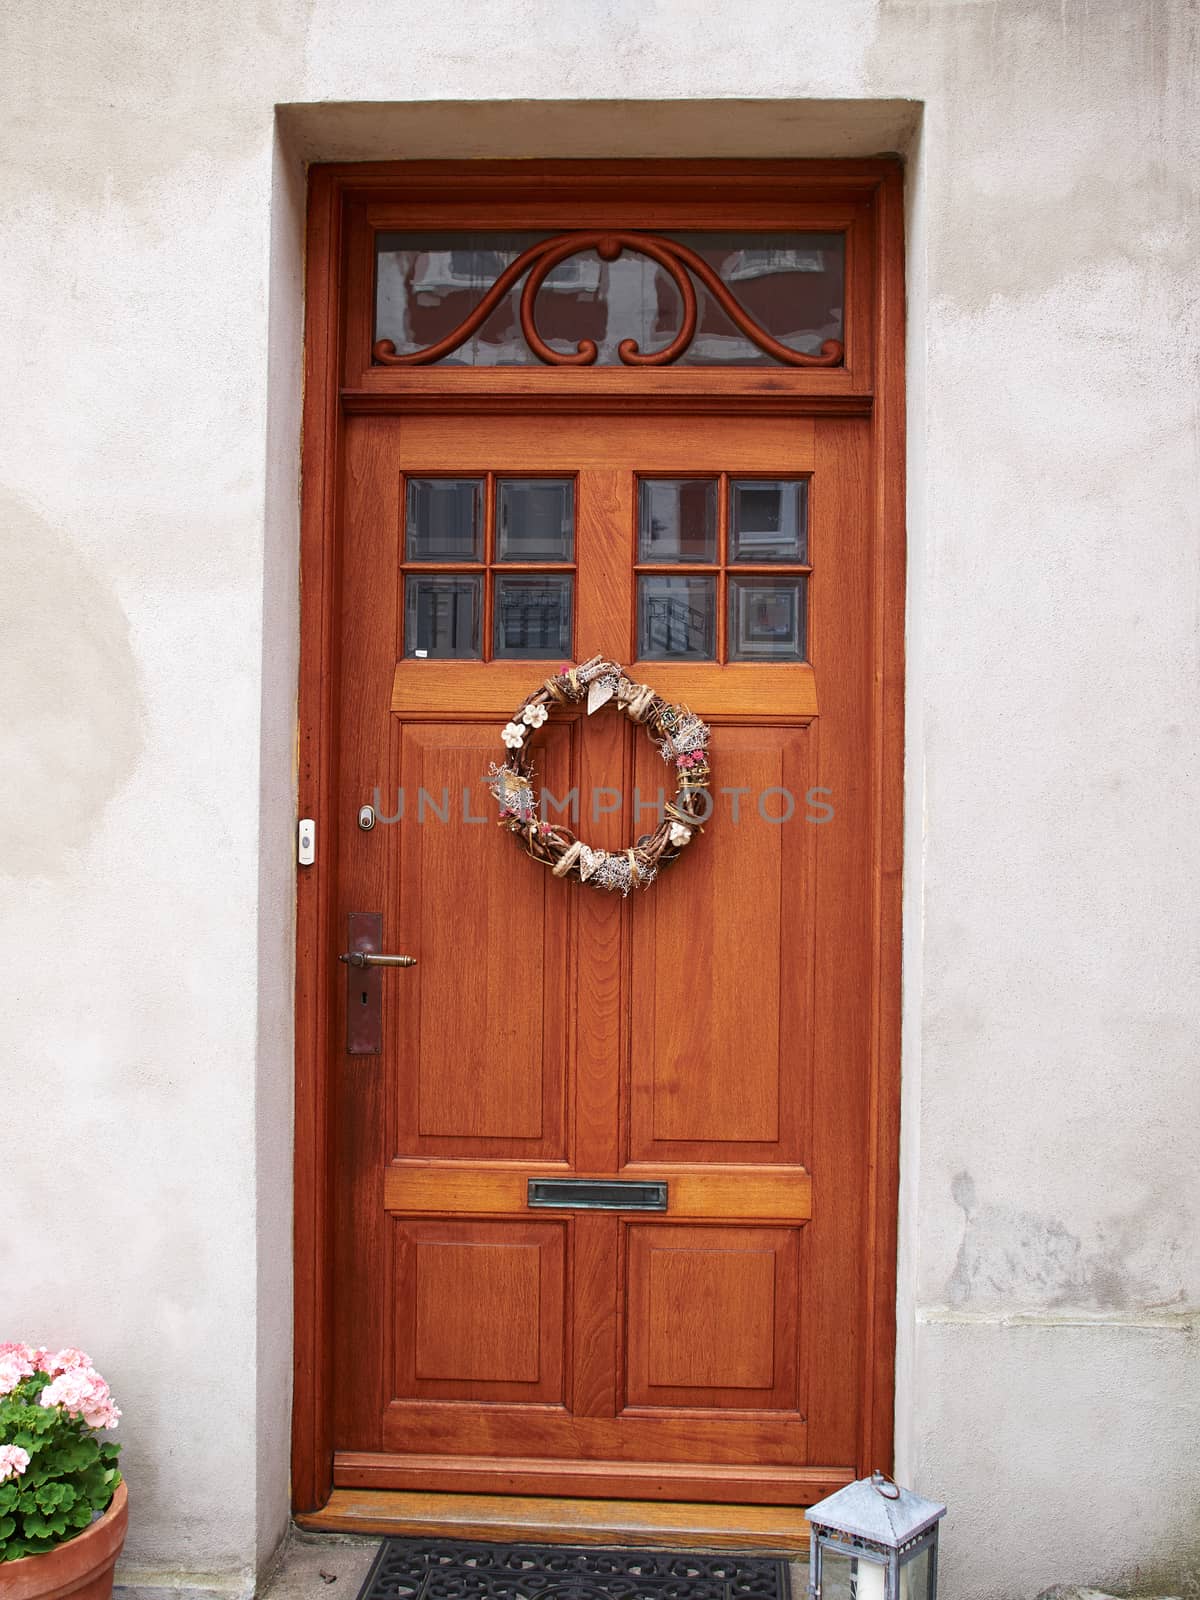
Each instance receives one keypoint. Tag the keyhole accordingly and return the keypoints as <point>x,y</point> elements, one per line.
<point>364,995</point>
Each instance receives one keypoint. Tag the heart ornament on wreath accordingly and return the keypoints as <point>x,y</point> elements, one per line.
<point>682,740</point>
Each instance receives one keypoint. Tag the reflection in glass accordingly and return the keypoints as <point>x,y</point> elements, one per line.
<point>535,519</point>
<point>766,619</point>
<point>768,520</point>
<point>790,284</point>
<point>533,616</point>
<point>677,618</point>
<point>442,615</point>
<point>444,519</point>
<point>677,519</point>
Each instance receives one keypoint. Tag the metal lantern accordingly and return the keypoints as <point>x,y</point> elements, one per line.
<point>874,1540</point>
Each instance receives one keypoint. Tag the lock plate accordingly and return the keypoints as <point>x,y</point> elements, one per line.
<point>364,987</point>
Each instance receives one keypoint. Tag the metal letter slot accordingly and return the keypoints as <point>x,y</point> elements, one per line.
<point>364,992</point>
<point>597,1194</point>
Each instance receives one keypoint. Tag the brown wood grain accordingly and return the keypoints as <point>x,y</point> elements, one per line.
<point>559,1520</point>
<point>650,1480</point>
<point>734,1030</point>
<point>737,692</point>
<point>760,1192</point>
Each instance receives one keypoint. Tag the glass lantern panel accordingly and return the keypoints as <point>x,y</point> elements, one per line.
<point>849,1575</point>
<point>916,1576</point>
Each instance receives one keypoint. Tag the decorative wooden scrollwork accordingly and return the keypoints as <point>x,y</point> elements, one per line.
<point>680,262</point>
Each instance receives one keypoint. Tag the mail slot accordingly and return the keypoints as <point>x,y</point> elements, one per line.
<point>596,1194</point>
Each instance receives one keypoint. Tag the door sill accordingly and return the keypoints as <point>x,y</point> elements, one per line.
<point>665,1524</point>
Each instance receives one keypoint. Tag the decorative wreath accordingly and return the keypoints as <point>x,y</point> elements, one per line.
<point>682,740</point>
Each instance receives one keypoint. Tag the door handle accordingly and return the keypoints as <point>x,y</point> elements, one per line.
<point>364,958</point>
<point>364,983</point>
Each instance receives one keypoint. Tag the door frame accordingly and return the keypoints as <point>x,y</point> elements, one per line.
<point>871,382</point>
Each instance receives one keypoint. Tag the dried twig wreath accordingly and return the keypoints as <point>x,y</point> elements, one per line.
<point>682,739</point>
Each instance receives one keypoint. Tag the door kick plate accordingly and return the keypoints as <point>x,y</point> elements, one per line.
<point>597,1194</point>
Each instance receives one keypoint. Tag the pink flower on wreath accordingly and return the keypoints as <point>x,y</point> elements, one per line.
<point>82,1392</point>
<point>13,1461</point>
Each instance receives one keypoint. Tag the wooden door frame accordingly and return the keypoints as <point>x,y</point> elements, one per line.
<point>871,382</point>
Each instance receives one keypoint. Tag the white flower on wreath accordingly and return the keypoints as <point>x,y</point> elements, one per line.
<point>513,735</point>
<point>679,834</point>
<point>534,715</point>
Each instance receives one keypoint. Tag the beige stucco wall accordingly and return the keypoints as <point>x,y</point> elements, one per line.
<point>150,251</point>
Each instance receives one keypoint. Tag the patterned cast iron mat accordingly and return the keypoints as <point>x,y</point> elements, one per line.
<point>425,1569</point>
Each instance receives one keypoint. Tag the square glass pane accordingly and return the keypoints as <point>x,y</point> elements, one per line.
<point>768,520</point>
<point>677,619</point>
<point>767,619</point>
<point>533,616</point>
<point>443,615</point>
<point>535,519</point>
<point>444,519</point>
<point>677,519</point>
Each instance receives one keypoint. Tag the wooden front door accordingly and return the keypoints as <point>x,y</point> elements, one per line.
<point>716,1033</point>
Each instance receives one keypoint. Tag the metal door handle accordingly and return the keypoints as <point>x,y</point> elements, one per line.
<point>363,958</point>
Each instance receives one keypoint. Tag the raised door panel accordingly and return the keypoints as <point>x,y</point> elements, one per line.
<point>713,1316</point>
<point>480,1042</point>
<point>722,967</point>
<point>479,1311</point>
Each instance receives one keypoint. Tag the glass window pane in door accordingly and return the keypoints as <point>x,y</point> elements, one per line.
<point>677,519</point>
<point>533,616</point>
<point>444,519</point>
<point>768,520</point>
<point>443,613</point>
<point>677,618</point>
<point>535,519</point>
<point>767,619</point>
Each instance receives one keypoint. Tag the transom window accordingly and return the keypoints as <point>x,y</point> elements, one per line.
<point>609,298</point>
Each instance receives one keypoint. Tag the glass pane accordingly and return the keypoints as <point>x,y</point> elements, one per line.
<point>533,616</point>
<point>536,520</point>
<point>915,1576</point>
<point>677,519</point>
<point>768,521</point>
<point>442,615</point>
<point>790,284</point>
<point>766,619</point>
<point>677,618</point>
<point>444,520</point>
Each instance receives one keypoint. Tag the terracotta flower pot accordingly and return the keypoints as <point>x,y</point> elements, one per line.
<point>81,1568</point>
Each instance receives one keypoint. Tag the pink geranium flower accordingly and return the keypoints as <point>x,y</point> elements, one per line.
<point>82,1392</point>
<point>13,1461</point>
<point>17,1361</point>
<point>68,1360</point>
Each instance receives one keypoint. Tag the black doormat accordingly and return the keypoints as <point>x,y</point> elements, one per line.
<point>446,1569</point>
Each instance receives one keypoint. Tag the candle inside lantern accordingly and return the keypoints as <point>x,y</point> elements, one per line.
<point>868,1581</point>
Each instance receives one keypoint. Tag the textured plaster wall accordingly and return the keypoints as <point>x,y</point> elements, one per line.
<point>150,252</point>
